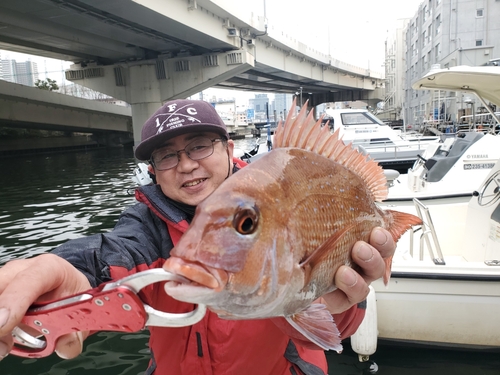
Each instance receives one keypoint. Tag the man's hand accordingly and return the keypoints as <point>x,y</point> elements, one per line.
<point>43,278</point>
<point>374,259</point>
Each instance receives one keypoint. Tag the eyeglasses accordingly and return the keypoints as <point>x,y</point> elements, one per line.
<point>198,149</point>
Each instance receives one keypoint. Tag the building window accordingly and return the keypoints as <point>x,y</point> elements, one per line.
<point>479,42</point>
<point>437,52</point>
<point>479,12</point>
<point>438,24</point>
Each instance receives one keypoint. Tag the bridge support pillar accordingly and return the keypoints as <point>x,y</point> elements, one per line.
<point>144,96</point>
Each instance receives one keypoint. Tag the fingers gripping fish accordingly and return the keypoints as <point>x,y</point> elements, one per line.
<point>268,241</point>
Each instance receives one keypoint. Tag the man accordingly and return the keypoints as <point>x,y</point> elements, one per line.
<point>187,145</point>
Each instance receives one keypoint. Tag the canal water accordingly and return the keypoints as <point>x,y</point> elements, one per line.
<point>49,199</point>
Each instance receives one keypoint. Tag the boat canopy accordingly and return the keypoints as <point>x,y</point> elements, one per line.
<point>484,81</point>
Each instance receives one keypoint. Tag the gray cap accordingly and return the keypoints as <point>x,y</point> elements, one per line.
<point>178,117</point>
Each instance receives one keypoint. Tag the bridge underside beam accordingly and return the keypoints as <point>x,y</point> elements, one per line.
<point>370,97</point>
<point>162,79</point>
<point>146,85</point>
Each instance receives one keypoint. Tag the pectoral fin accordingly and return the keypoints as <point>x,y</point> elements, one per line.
<point>322,252</point>
<point>317,325</point>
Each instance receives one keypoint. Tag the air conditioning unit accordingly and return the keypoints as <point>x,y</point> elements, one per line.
<point>232,32</point>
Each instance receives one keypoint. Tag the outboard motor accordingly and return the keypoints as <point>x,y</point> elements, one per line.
<point>418,172</point>
<point>141,175</point>
<point>247,155</point>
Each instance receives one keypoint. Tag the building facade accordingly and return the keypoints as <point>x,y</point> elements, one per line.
<point>447,33</point>
<point>392,108</point>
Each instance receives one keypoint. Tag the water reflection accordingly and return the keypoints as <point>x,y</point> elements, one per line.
<point>54,198</point>
<point>106,353</point>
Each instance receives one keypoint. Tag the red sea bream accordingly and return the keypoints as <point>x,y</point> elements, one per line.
<point>269,240</point>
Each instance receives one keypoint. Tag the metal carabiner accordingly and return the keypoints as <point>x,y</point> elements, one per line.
<point>113,306</point>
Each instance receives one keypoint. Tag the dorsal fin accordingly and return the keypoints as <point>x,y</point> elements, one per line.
<point>302,131</point>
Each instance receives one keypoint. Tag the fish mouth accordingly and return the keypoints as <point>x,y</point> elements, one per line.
<point>197,274</point>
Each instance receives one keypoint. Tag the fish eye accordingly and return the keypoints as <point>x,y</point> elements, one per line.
<point>245,220</point>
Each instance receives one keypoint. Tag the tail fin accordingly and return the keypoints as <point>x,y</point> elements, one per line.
<point>401,222</point>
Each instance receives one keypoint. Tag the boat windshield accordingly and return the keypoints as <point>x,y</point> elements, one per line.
<point>360,118</point>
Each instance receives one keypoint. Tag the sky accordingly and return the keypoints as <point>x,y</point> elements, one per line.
<point>352,31</point>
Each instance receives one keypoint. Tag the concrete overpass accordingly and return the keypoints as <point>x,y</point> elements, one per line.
<point>147,51</point>
<point>29,106</point>
<point>32,108</point>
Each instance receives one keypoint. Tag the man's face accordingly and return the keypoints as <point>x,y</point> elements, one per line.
<point>191,181</point>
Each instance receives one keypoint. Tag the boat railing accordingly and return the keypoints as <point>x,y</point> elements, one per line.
<point>480,129</point>
<point>391,148</point>
<point>428,236</point>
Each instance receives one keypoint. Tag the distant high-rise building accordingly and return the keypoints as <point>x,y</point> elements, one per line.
<point>7,70</point>
<point>260,105</point>
<point>24,73</point>
<point>282,105</point>
<point>392,107</point>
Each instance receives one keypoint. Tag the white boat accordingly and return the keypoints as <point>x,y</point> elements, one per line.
<point>445,283</point>
<point>454,167</point>
<point>391,148</point>
<point>449,169</point>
